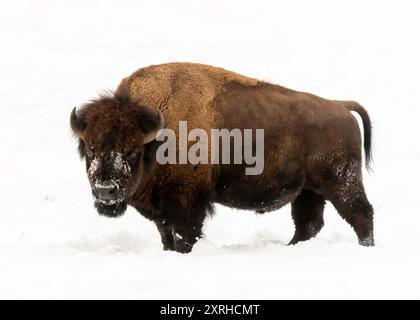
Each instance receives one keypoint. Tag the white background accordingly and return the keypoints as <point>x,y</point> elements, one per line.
<point>55,55</point>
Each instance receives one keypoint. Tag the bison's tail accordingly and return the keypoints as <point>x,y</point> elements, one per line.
<point>367,129</point>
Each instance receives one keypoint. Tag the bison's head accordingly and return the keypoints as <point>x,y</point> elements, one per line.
<point>112,133</point>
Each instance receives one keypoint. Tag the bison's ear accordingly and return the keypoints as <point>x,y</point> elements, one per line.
<point>81,149</point>
<point>77,122</point>
<point>151,122</point>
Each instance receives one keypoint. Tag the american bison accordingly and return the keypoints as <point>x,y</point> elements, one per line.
<point>312,152</point>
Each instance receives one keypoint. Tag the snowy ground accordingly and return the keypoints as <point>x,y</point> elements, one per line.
<point>56,55</point>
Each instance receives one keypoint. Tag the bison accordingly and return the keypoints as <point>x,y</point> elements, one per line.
<point>312,152</point>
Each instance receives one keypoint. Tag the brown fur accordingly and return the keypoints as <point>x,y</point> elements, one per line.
<point>312,150</point>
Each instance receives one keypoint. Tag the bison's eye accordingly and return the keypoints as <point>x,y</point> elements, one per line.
<point>133,158</point>
<point>90,151</point>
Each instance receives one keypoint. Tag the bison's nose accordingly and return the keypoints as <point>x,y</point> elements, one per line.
<point>107,193</point>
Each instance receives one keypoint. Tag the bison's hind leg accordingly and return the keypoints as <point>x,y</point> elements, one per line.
<point>307,214</point>
<point>348,196</point>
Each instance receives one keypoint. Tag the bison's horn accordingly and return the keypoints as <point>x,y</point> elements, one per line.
<point>77,122</point>
<point>151,136</point>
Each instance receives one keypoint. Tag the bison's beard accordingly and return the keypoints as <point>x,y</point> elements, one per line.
<point>112,210</point>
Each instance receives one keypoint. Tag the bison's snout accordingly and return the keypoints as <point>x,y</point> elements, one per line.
<point>107,193</point>
<point>109,199</point>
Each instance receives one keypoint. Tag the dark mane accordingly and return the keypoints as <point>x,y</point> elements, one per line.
<point>147,119</point>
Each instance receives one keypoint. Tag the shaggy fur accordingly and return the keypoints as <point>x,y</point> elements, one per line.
<point>312,150</point>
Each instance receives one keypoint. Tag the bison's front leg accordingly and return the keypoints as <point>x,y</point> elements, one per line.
<point>185,213</point>
<point>166,235</point>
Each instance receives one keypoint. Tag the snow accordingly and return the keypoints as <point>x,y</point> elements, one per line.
<point>57,55</point>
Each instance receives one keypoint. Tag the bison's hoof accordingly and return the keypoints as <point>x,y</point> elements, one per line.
<point>183,246</point>
<point>169,247</point>
<point>367,242</point>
